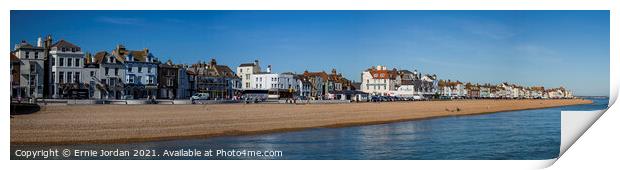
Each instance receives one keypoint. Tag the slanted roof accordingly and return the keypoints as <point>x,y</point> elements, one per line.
<point>247,65</point>
<point>139,55</point>
<point>405,72</point>
<point>322,74</point>
<point>383,74</point>
<point>225,71</point>
<point>14,58</point>
<point>65,44</point>
<point>100,57</point>
<point>24,45</point>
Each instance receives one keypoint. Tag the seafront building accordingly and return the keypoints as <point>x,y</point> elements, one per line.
<point>245,72</point>
<point>32,70</point>
<point>140,72</point>
<point>380,81</point>
<point>277,85</point>
<point>90,74</point>
<point>185,84</point>
<point>318,81</point>
<point>219,81</point>
<point>304,86</point>
<point>63,71</point>
<point>401,83</point>
<point>168,80</point>
<point>67,67</point>
<point>15,63</point>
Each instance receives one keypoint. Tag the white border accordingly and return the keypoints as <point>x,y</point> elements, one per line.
<point>596,146</point>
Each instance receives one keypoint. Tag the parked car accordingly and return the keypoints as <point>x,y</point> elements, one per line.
<point>417,97</point>
<point>375,98</point>
<point>127,97</point>
<point>199,96</point>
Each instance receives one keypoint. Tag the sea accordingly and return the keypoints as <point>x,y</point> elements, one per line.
<point>513,135</point>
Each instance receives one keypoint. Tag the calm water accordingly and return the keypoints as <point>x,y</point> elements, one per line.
<point>528,134</point>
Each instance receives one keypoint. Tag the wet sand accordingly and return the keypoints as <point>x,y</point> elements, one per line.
<point>133,123</point>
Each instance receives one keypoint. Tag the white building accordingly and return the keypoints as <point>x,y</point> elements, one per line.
<point>245,72</point>
<point>380,81</point>
<point>278,85</point>
<point>66,63</point>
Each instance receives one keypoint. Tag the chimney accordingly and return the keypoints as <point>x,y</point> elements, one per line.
<point>39,42</point>
<point>120,49</point>
<point>269,69</point>
<point>256,62</point>
<point>213,63</point>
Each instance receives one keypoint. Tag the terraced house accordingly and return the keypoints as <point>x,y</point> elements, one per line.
<point>168,80</point>
<point>318,81</point>
<point>105,74</point>
<point>15,62</point>
<point>219,81</point>
<point>140,72</point>
<point>31,70</point>
<point>66,66</point>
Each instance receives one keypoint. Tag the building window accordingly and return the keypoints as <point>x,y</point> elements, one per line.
<point>63,49</point>
<point>107,71</point>
<point>149,69</point>
<point>77,62</point>
<point>92,73</point>
<point>69,77</point>
<point>116,71</point>
<point>77,77</point>
<point>139,69</point>
<point>32,67</point>
<point>33,81</point>
<point>69,62</point>
<point>36,55</point>
<point>130,69</point>
<point>62,62</point>
<point>53,76</point>
<point>61,77</point>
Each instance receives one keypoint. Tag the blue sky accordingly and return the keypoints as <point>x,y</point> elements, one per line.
<point>550,48</point>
